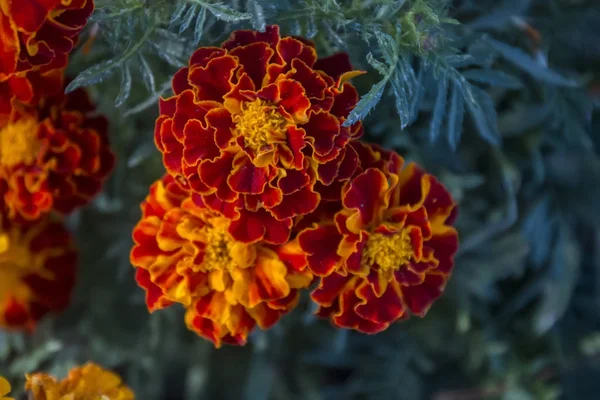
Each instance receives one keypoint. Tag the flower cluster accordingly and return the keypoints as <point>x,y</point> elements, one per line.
<point>54,156</point>
<point>86,382</point>
<point>267,191</point>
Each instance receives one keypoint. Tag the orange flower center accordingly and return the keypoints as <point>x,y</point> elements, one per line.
<point>19,143</point>
<point>390,252</point>
<point>259,124</point>
<point>219,245</point>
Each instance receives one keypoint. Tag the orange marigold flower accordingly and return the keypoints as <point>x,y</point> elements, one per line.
<point>388,251</point>
<point>54,156</point>
<point>90,381</point>
<point>255,128</point>
<point>184,254</point>
<point>39,34</point>
<point>4,389</point>
<point>37,271</point>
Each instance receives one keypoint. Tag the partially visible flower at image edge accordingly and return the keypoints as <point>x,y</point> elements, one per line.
<point>90,381</point>
<point>184,254</point>
<point>255,128</point>
<point>4,389</point>
<point>53,156</point>
<point>389,251</point>
<point>37,272</point>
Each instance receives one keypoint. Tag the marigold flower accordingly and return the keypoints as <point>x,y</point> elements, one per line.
<point>255,128</point>
<point>90,381</point>
<point>54,156</point>
<point>39,34</point>
<point>4,389</point>
<point>388,251</point>
<point>184,254</point>
<point>37,271</point>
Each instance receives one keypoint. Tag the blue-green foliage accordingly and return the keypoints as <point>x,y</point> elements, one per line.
<point>497,98</point>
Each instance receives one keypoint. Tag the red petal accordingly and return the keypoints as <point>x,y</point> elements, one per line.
<point>419,298</point>
<point>290,48</point>
<point>247,178</point>
<point>213,81</point>
<point>330,288</point>
<point>295,204</point>
<point>254,58</point>
<point>243,37</point>
<point>365,194</point>
<point>293,99</point>
<point>385,309</point>
<point>311,80</point>
<point>320,245</point>
<point>322,129</point>
<point>334,65</point>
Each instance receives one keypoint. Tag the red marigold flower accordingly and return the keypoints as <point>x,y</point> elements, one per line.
<point>39,34</point>
<point>90,381</point>
<point>37,271</point>
<point>255,128</point>
<point>54,156</point>
<point>388,251</point>
<point>185,254</point>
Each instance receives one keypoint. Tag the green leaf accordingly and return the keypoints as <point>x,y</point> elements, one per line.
<point>94,74</point>
<point>258,15</point>
<point>528,64</point>
<point>199,28</point>
<point>417,97</point>
<point>456,114</point>
<point>187,19</point>
<point>125,86</point>
<point>224,12</point>
<point>439,110</point>
<point>378,65</point>
<point>147,74</point>
<point>388,46</point>
<point>176,17</point>
<point>493,78</point>
<point>402,99</point>
<point>366,103</point>
<point>484,115</point>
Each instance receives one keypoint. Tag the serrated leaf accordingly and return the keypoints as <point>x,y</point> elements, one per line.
<point>378,65</point>
<point>199,28</point>
<point>439,110</point>
<point>258,15</point>
<point>177,14</point>
<point>456,114</point>
<point>484,115</point>
<point>366,103</point>
<point>493,78</point>
<point>187,19</point>
<point>225,13</point>
<point>125,90</point>
<point>528,64</point>
<point>402,99</point>
<point>94,74</point>
<point>388,46</point>
<point>147,74</point>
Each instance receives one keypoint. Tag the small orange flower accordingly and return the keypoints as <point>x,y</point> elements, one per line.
<point>388,251</point>
<point>87,382</point>
<point>4,389</point>
<point>255,128</point>
<point>37,272</point>
<point>185,254</point>
<point>54,156</point>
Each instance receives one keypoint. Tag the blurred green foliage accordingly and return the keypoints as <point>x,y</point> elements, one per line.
<point>498,98</point>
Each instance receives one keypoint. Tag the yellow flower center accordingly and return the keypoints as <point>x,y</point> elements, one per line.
<point>19,143</point>
<point>217,254</point>
<point>390,252</point>
<point>15,261</point>
<point>259,124</point>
